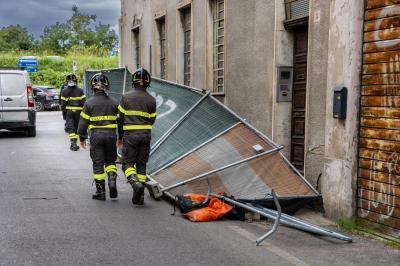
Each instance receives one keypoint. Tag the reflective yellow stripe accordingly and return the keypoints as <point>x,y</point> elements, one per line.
<point>103,118</point>
<point>130,171</point>
<point>106,126</point>
<point>111,168</point>
<point>99,177</point>
<point>142,178</point>
<point>136,113</point>
<point>84,115</point>
<point>64,99</point>
<point>121,109</point>
<point>73,136</point>
<point>77,98</point>
<point>140,113</point>
<point>137,127</point>
<point>73,108</point>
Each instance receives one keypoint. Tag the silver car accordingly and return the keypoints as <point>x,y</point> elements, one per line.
<point>17,103</point>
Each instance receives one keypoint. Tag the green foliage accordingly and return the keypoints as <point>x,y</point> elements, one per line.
<point>56,38</point>
<point>52,72</point>
<point>78,33</point>
<point>350,225</point>
<point>15,37</point>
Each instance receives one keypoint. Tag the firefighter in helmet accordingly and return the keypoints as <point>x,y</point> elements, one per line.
<point>137,111</point>
<point>100,115</point>
<point>72,101</point>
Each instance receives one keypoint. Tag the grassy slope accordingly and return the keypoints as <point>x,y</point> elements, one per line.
<point>52,72</point>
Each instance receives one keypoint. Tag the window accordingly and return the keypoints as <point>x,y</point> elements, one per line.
<point>136,47</point>
<point>163,47</point>
<point>218,41</point>
<point>186,23</point>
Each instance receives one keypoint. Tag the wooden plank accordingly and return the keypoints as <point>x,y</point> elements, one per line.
<point>382,35</point>
<point>380,101</point>
<point>378,198</point>
<point>386,167</point>
<point>385,231</point>
<point>380,112</point>
<point>379,177</point>
<point>380,90</point>
<point>386,123</point>
<point>384,145</point>
<point>379,208</point>
<point>381,57</point>
<point>370,4</point>
<point>381,79</point>
<point>378,133</point>
<point>379,187</point>
<point>380,218</point>
<point>382,68</point>
<point>391,157</point>
<point>383,23</point>
<point>383,12</point>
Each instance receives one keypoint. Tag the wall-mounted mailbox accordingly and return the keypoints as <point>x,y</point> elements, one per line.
<point>285,83</point>
<point>339,102</point>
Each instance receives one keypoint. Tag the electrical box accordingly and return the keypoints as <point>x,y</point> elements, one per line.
<point>340,102</point>
<point>285,84</point>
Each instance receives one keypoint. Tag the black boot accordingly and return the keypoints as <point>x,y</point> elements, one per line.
<point>100,193</point>
<point>74,146</point>
<point>138,191</point>
<point>112,184</point>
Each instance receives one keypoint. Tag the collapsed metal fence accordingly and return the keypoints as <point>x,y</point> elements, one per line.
<point>199,145</point>
<point>194,133</point>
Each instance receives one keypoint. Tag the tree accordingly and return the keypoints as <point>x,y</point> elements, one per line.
<point>79,25</point>
<point>15,37</point>
<point>105,37</point>
<point>56,38</point>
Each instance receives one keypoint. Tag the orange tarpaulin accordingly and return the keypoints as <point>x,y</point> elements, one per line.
<point>215,210</point>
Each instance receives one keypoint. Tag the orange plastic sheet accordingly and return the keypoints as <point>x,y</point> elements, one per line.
<point>216,210</point>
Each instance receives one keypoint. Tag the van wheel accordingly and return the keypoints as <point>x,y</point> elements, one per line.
<point>30,132</point>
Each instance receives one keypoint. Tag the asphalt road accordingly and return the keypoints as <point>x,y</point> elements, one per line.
<point>47,217</point>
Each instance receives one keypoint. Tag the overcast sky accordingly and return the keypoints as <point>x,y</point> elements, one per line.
<point>36,14</point>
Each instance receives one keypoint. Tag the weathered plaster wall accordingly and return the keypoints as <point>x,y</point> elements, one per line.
<point>316,89</point>
<point>344,63</point>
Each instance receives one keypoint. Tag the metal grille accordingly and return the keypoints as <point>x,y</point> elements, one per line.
<point>219,28</point>
<point>251,180</point>
<point>136,46</point>
<point>173,102</point>
<point>297,9</point>
<point>187,43</point>
<point>116,78</point>
<point>194,133</point>
<point>206,120</point>
<point>163,47</point>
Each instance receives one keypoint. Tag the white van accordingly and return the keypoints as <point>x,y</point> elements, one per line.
<point>17,105</point>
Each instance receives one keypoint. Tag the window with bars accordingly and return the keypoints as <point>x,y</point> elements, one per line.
<point>218,41</point>
<point>187,46</point>
<point>136,46</point>
<point>163,47</point>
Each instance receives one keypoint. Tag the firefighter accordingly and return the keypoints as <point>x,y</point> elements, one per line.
<point>72,101</point>
<point>64,114</point>
<point>137,111</point>
<point>100,115</point>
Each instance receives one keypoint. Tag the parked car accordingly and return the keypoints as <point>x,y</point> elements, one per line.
<point>46,98</point>
<point>17,103</point>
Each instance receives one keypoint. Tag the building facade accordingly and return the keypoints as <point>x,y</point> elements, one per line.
<point>289,67</point>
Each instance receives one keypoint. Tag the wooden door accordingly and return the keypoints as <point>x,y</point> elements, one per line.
<point>299,98</point>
